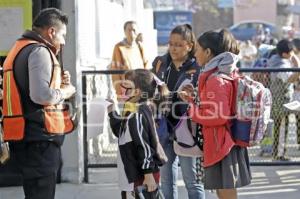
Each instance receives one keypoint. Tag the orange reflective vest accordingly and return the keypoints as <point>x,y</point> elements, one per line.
<point>56,117</point>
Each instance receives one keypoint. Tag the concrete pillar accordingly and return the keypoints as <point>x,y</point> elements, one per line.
<point>72,149</point>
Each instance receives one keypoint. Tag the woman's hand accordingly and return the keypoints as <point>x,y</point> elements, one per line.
<point>186,93</point>
<point>149,181</point>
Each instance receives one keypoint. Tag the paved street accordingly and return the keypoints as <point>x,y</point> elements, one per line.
<point>272,182</point>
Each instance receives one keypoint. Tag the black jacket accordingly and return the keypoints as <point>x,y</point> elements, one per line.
<point>163,68</point>
<point>137,143</point>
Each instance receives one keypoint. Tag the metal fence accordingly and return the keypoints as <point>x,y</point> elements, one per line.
<point>279,147</point>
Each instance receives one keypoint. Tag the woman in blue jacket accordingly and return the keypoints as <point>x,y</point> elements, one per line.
<point>176,66</point>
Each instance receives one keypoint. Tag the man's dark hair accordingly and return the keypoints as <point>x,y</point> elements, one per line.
<point>128,23</point>
<point>284,46</point>
<point>50,17</point>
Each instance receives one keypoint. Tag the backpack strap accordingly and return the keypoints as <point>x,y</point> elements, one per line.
<point>234,83</point>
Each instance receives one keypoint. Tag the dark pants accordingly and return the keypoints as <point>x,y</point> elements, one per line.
<point>40,188</point>
<point>38,163</point>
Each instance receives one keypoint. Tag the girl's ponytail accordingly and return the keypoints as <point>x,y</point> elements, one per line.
<point>227,42</point>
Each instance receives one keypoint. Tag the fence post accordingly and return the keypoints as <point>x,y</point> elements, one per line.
<point>85,141</point>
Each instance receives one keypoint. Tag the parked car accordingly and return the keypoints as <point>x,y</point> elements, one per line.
<point>246,30</point>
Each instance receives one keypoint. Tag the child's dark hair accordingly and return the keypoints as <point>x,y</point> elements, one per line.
<point>284,46</point>
<point>187,34</point>
<point>219,42</point>
<point>144,80</point>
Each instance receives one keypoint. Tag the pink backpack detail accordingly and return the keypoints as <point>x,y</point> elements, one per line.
<point>252,108</point>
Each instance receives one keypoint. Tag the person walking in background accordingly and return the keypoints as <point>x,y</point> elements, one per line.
<point>296,95</point>
<point>174,68</point>
<point>282,91</point>
<point>259,36</point>
<point>291,32</point>
<point>248,54</point>
<point>128,54</point>
<point>140,151</point>
<point>35,121</point>
<point>226,165</point>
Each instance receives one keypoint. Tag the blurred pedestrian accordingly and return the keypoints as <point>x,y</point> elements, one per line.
<point>291,32</point>
<point>35,87</point>
<point>259,36</point>
<point>248,54</point>
<point>296,94</point>
<point>282,91</point>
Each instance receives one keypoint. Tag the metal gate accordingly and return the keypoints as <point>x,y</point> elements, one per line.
<point>99,153</point>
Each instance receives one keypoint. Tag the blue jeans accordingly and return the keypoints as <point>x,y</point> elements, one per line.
<point>169,174</point>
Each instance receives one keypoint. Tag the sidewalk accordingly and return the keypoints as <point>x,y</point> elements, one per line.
<point>269,182</point>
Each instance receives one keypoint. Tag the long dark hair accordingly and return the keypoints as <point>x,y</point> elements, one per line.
<point>186,31</point>
<point>219,42</point>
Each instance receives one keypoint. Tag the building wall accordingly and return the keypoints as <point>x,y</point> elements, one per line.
<point>204,20</point>
<point>72,149</point>
<point>255,10</point>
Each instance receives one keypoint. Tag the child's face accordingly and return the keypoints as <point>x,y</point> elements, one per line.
<point>131,92</point>
<point>202,55</point>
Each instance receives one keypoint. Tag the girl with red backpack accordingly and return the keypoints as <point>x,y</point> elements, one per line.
<point>226,165</point>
